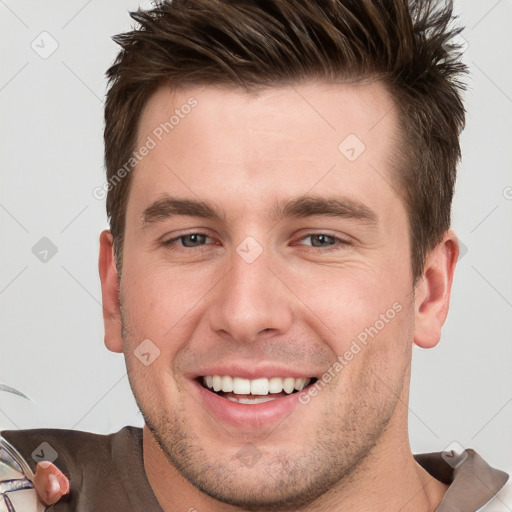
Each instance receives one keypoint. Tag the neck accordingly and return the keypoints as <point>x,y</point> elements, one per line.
<point>389,466</point>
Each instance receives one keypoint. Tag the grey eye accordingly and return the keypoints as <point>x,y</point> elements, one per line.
<point>321,240</point>
<point>193,240</point>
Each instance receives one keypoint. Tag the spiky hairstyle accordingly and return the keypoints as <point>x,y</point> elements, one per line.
<point>408,45</point>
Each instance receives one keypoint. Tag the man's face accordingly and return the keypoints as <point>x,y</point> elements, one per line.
<point>291,253</point>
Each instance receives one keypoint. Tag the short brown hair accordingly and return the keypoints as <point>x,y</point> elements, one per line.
<point>407,45</point>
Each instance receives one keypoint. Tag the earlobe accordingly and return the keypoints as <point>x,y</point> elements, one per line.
<point>432,293</point>
<point>110,294</point>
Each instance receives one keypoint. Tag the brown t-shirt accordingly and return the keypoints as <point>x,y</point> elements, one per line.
<point>106,472</point>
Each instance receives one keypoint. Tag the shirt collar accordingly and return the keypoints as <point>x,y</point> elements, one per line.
<point>473,482</point>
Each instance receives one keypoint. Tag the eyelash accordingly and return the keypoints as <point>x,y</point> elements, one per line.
<point>173,240</point>
<point>334,246</point>
<point>330,247</point>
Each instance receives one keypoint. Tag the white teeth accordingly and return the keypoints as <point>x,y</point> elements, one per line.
<point>241,386</point>
<point>227,384</point>
<point>300,384</point>
<point>275,385</point>
<point>288,385</point>
<point>257,387</point>
<point>217,383</point>
<point>251,401</point>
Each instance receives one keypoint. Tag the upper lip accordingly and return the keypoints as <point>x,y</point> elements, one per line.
<point>251,371</point>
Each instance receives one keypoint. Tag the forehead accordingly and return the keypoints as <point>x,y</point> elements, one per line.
<point>225,144</point>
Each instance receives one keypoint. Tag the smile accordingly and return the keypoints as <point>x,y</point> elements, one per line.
<point>251,396</point>
<point>255,391</point>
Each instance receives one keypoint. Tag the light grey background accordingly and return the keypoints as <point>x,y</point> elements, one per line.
<point>51,145</point>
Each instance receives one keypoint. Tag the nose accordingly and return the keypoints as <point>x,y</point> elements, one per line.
<point>250,300</point>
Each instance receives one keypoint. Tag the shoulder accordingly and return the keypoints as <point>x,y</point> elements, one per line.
<point>474,485</point>
<point>102,469</point>
<point>63,447</point>
<point>502,501</point>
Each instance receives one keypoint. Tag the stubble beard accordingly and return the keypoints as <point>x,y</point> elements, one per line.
<point>279,481</point>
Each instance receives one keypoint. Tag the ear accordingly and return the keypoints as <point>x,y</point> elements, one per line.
<point>432,292</point>
<point>110,294</point>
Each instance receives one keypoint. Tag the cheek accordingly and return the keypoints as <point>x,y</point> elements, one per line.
<point>385,349</point>
<point>164,306</point>
<point>372,363</point>
<point>158,300</point>
<point>357,304</point>
<point>368,325</point>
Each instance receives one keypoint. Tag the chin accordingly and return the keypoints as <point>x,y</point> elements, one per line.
<point>284,480</point>
<point>259,489</point>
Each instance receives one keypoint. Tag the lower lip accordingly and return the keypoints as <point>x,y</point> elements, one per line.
<point>244,415</point>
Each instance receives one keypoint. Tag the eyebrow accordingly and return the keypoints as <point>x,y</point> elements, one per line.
<point>309,206</point>
<point>170,206</point>
<point>302,207</point>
